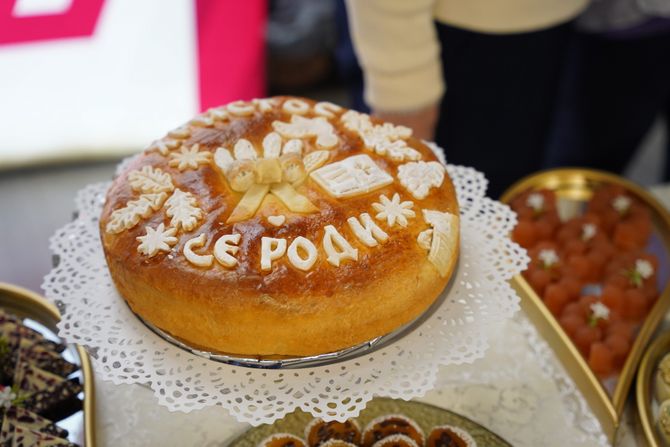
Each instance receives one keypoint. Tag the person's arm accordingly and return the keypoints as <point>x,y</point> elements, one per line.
<point>398,49</point>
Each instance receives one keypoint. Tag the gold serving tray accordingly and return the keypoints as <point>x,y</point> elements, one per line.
<point>644,389</point>
<point>574,186</point>
<point>427,416</point>
<point>29,305</point>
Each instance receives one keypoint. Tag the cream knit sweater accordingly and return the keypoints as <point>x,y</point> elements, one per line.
<point>398,48</point>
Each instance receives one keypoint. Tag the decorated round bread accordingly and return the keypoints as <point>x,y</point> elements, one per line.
<point>281,227</point>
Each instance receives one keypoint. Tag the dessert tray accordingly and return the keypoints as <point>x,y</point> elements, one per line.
<point>125,350</point>
<point>573,189</point>
<point>59,414</point>
<point>424,415</point>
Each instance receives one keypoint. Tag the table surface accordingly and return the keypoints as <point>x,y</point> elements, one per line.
<point>528,410</point>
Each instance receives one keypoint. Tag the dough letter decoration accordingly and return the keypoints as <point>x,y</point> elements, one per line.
<point>279,203</point>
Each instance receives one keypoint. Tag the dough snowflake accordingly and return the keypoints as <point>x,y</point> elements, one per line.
<point>393,210</point>
<point>189,158</point>
<point>156,240</point>
<point>419,177</point>
<point>384,139</point>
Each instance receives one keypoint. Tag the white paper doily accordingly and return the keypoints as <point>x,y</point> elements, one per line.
<point>125,351</point>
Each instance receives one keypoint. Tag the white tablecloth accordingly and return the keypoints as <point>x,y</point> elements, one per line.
<point>509,391</point>
<point>512,391</point>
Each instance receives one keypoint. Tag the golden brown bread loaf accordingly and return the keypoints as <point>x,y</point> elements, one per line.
<point>281,227</point>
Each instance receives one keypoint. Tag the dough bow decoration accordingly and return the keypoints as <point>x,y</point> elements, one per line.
<point>278,172</point>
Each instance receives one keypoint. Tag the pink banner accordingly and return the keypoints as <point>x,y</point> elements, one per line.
<point>79,20</point>
<point>231,50</point>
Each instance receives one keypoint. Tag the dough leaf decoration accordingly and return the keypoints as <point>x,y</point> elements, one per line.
<point>150,180</point>
<point>182,207</point>
<point>135,210</point>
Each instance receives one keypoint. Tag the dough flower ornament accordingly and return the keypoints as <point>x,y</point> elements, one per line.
<point>189,158</point>
<point>279,170</point>
<point>164,145</point>
<point>393,210</point>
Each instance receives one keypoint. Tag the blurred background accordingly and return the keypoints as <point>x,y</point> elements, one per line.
<point>84,83</point>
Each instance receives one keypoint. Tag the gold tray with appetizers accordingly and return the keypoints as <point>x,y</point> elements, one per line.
<point>652,392</point>
<point>46,386</point>
<point>597,286</point>
<point>383,419</point>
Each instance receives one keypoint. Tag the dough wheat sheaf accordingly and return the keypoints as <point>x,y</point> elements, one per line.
<point>281,226</point>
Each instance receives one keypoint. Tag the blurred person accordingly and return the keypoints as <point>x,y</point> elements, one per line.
<point>617,83</point>
<point>348,68</point>
<point>301,38</point>
<point>480,77</point>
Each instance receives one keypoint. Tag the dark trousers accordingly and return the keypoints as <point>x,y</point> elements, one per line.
<point>613,91</point>
<point>500,99</point>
